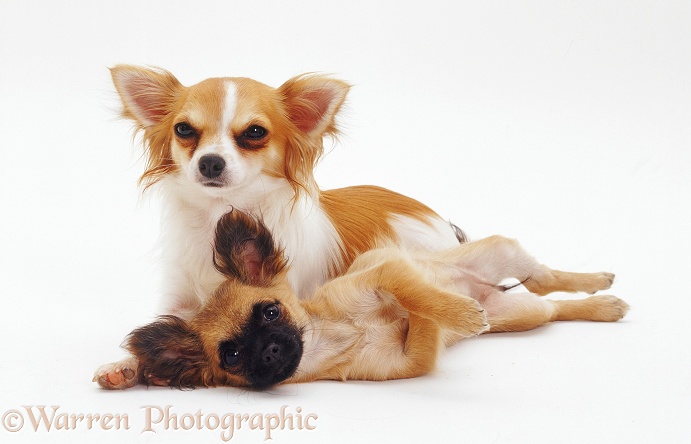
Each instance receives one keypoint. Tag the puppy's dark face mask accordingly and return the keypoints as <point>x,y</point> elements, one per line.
<point>249,333</point>
<point>268,350</point>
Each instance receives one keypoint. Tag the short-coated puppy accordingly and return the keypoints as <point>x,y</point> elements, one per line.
<point>237,143</point>
<point>387,317</point>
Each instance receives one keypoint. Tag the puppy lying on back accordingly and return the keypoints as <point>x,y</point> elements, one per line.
<point>386,318</point>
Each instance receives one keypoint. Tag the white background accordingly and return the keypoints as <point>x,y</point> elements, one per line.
<point>564,124</point>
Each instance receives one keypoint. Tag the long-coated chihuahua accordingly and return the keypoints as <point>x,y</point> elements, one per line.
<point>236,143</point>
<point>386,318</point>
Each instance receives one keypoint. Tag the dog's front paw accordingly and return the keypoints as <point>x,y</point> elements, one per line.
<point>470,318</point>
<point>118,375</point>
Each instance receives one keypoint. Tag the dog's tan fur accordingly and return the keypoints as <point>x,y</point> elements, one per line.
<point>386,318</point>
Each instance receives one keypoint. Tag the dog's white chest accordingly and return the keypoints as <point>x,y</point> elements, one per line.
<point>310,242</point>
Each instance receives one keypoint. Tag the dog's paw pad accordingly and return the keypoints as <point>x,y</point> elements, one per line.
<point>118,375</point>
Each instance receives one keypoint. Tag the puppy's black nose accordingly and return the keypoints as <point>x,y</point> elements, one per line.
<point>272,354</point>
<point>211,166</point>
<point>275,358</point>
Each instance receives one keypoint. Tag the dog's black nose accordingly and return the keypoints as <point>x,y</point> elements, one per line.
<point>272,355</point>
<point>275,358</point>
<point>211,166</point>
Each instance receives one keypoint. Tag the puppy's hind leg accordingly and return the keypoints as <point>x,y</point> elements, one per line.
<point>496,258</point>
<point>545,280</point>
<point>594,308</point>
<point>525,311</point>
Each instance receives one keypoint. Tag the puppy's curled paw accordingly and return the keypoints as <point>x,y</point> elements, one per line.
<point>117,375</point>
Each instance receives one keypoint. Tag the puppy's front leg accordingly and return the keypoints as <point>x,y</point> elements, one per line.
<point>124,373</point>
<point>421,347</point>
<point>118,375</point>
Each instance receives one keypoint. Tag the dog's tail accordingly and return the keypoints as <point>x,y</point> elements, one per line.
<point>460,234</point>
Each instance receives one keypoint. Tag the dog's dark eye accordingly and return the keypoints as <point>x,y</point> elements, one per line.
<point>271,312</point>
<point>255,132</point>
<point>230,357</point>
<point>184,130</point>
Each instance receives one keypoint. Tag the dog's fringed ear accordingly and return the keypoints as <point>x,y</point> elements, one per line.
<point>169,353</point>
<point>147,94</point>
<point>245,250</point>
<point>312,102</point>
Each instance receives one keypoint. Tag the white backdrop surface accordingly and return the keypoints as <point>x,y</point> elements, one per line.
<point>564,124</point>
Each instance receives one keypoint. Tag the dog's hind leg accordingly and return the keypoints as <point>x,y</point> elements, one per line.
<point>525,311</point>
<point>496,258</point>
<point>545,281</point>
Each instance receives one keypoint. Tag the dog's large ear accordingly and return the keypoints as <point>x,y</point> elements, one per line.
<point>147,94</point>
<point>169,353</point>
<point>312,102</point>
<point>245,250</point>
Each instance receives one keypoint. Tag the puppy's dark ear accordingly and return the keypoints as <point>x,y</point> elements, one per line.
<point>169,353</point>
<point>245,250</point>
